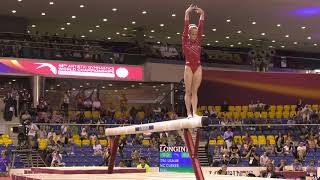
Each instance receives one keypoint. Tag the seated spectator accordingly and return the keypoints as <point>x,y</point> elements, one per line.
<point>25,116</point>
<point>83,134</point>
<point>297,166</point>
<point>246,150</point>
<point>55,163</point>
<point>213,113</point>
<point>301,151</point>
<point>4,164</point>
<point>135,156</point>
<point>253,157</point>
<point>228,137</point>
<point>225,106</point>
<point>143,164</point>
<point>164,139</point>
<point>97,148</point>
<point>280,140</point>
<point>247,139</point>
<point>312,169</point>
<point>225,158</point>
<point>122,164</point>
<point>264,159</point>
<point>269,148</point>
<point>312,142</point>
<point>42,133</point>
<point>269,172</point>
<point>287,148</point>
<point>234,158</point>
<point>306,113</point>
<point>96,104</point>
<point>224,149</point>
<point>223,170</point>
<point>282,165</point>
<point>106,155</point>
<point>56,156</point>
<point>279,149</point>
<point>138,139</point>
<point>87,104</point>
<point>56,117</point>
<point>235,149</point>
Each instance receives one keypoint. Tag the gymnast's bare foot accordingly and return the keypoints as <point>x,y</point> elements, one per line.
<point>189,116</point>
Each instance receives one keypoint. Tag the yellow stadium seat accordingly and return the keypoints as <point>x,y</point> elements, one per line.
<point>93,141</point>
<point>261,140</point>
<point>210,108</point>
<point>264,115</point>
<point>250,114</point>
<point>77,142</point>
<point>293,107</point>
<point>243,115</point>
<point>217,108</point>
<point>238,108</point>
<point>212,142</point>
<point>229,115</point>
<point>7,141</point>
<point>279,108</point>
<point>95,114</point>
<point>203,108</point>
<point>146,142</point>
<point>5,136</point>
<point>231,108</point>
<point>272,141</point>
<point>272,114</point>
<point>141,114</point>
<point>71,113</point>
<point>245,108</point>
<point>221,114</point>
<point>279,114</point>
<point>103,142</point>
<point>257,115</point>
<point>117,115</point>
<point>286,114</point>
<point>1,141</point>
<point>86,142</point>
<point>273,108</point>
<point>315,107</point>
<point>237,139</point>
<point>254,139</point>
<point>236,114</point>
<point>293,113</point>
<point>219,137</point>
<point>286,108</point>
<point>200,113</point>
<point>75,136</point>
<point>220,142</point>
<point>87,114</point>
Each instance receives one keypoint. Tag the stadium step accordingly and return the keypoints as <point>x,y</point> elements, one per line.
<point>30,158</point>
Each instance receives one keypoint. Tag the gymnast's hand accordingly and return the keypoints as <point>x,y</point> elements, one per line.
<point>199,10</point>
<point>190,9</point>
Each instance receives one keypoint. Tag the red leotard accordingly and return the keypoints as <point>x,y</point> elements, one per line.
<point>192,49</point>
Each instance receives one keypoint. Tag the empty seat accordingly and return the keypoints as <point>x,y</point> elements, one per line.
<point>238,108</point>
<point>231,108</point>
<point>279,108</point>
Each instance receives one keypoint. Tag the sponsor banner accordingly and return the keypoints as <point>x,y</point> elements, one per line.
<point>238,171</point>
<point>71,69</point>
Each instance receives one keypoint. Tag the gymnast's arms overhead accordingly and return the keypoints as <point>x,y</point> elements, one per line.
<point>188,26</point>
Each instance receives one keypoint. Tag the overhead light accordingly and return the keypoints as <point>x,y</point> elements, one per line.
<point>278,25</point>
<point>250,39</point>
<point>13,80</point>
<point>239,32</point>
<point>214,29</point>
<point>51,3</point>
<point>133,85</point>
<point>270,46</point>
<point>125,28</point>
<point>144,12</point>
<point>157,89</point>
<point>173,15</point>
<point>140,83</point>
<point>216,41</point>
<point>117,33</point>
<point>109,38</point>
<point>231,45</point>
<point>123,34</point>
<point>239,43</point>
<point>208,44</point>
<point>103,87</point>
<point>73,17</point>
<point>162,84</point>
<point>58,85</point>
<point>227,37</point>
<point>81,6</point>
<point>83,36</point>
<point>287,36</point>
<point>10,83</point>
<point>68,23</point>
<point>19,0</point>
<point>309,37</point>
<point>152,31</point>
<point>13,11</point>
<point>125,88</point>
<point>90,30</point>
<point>114,9</point>
<point>154,86</point>
<point>161,25</point>
<point>168,37</point>
<point>158,42</point>
<point>47,90</point>
<point>97,26</point>
<point>203,35</point>
<point>81,86</point>
<point>62,28</point>
<point>33,25</point>
<point>303,27</point>
<point>282,46</point>
<point>273,41</point>
<point>133,22</point>
<point>295,42</point>
<point>105,20</point>
<point>115,90</point>
<point>254,22</point>
<point>315,44</point>
<point>43,14</point>
<point>263,34</point>
<point>110,85</point>
<point>151,37</point>
<point>178,33</point>
<point>249,44</point>
<point>228,20</point>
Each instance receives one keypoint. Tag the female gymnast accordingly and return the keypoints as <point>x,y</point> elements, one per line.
<point>191,45</point>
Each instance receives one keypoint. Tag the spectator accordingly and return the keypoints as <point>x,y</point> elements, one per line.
<point>122,164</point>
<point>84,134</point>
<point>87,104</point>
<point>32,134</point>
<point>252,106</point>
<point>96,104</point>
<point>282,165</point>
<point>247,139</point>
<point>42,134</point>
<point>4,164</point>
<point>300,105</point>
<point>56,157</point>
<point>225,106</point>
<point>66,101</point>
<point>223,170</point>
<point>279,149</point>
<point>253,157</point>
<point>306,113</point>
<point>234,158</point>
<point>106,155</point>
<point>297,166</point>
<point>143,164</point>
<point>287,148</point>
<point>135,156</point>
<point>269,148</point>
<point>25,116</point>
<point>228,137</point>
<point>164,139</point>
<point>97,148</point>
<point>301,151</point>
<point>269,172</point>
<point>225,158</point>
<point>312,169</point>
<point>9,108</point>
<point>264,159</point>
<point>312,142</point>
